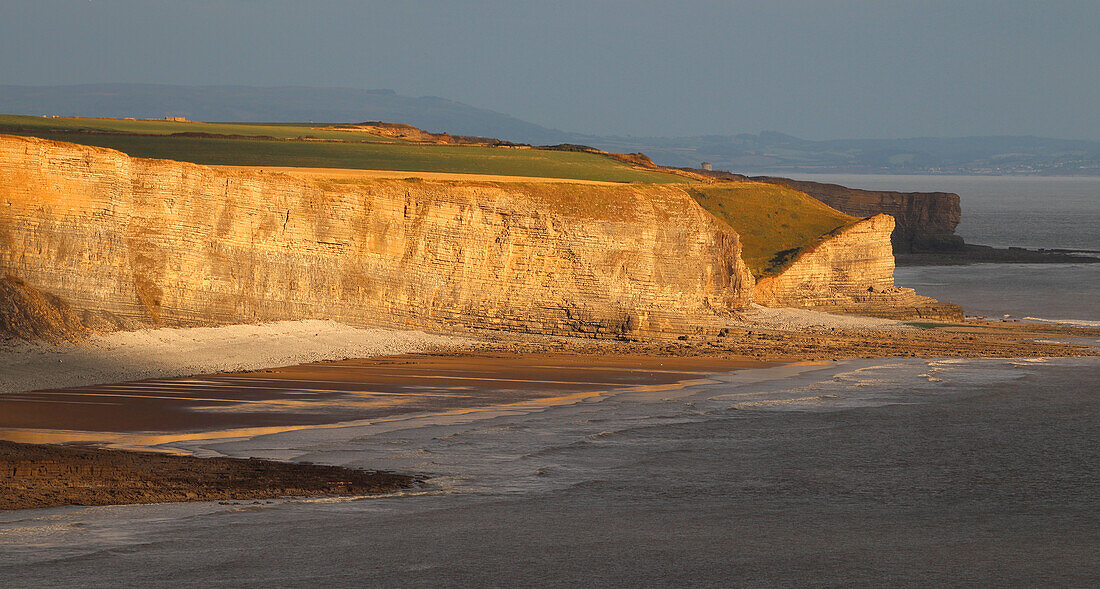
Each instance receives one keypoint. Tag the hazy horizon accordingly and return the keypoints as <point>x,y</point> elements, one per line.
<point>811,70</point>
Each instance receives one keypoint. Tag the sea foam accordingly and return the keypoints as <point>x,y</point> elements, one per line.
<point>1073,322</point>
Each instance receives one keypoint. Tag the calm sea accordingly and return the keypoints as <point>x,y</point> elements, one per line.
<point>888,472</point>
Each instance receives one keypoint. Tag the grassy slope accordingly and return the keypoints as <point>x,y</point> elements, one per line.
<point>148,139</point>
<point>31,124</point>
<point>775,222</point>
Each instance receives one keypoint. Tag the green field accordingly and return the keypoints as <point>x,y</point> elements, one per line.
<point>775,222</point>
<point>279,145</point>
<point>158,127</point>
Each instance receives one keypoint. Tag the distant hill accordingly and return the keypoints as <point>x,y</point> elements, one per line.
<point>776,152</point>
<point>763,153</point>
<point>289,104</point>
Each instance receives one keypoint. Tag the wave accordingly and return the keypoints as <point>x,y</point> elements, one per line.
<point>1074,322</point>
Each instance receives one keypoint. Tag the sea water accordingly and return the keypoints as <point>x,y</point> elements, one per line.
<point>1061,293</point>
<point>901,472</point>
<point>906,471</point>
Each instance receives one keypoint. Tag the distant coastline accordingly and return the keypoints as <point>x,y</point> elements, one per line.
<point>767,152</point>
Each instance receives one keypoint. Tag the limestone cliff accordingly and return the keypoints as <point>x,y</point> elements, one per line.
<point>851,271</point>
<point>123,240</point>
<point>925,221</point>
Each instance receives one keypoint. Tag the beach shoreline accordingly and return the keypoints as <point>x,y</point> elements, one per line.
<point>442,381</point>
<point>97,460</point>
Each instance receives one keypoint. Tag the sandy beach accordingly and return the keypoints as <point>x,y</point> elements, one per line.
<point>43,469</point>
<point>158,353</point>
<point>705,438</point>
<point>158,412</point>
<point>169,389</point>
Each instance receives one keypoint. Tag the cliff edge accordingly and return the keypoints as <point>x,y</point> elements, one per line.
<point>851,271</point>
<point>165,243</point>
<point>924,221</point>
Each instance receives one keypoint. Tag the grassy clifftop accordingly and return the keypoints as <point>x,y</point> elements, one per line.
<point>775,222</point>
<point>30,124</point>
<point>313,146</point>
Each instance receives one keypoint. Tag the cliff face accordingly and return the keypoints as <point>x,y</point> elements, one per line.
<point>121,240</point>
<point>852,271</point>
<point>925,221</point>
<point>854,260</point>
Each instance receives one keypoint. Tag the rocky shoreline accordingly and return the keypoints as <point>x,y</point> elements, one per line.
<point>810,336</point>
<point>40,475</point>
<point>984,254</point>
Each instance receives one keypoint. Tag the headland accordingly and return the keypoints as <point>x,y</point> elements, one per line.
<point>137,250</point>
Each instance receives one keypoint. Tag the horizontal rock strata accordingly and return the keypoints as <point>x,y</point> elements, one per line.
<point>925,221</point>
<point>852,271</point>
<point>37,476</point>
<point>156,242</point>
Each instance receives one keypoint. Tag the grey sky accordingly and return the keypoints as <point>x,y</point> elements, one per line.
<point>818,70</point>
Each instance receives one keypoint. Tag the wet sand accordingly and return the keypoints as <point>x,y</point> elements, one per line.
<point>499,369</point>
<point>325,394</point>
<point>159,411</point>
<point>505,373</point>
